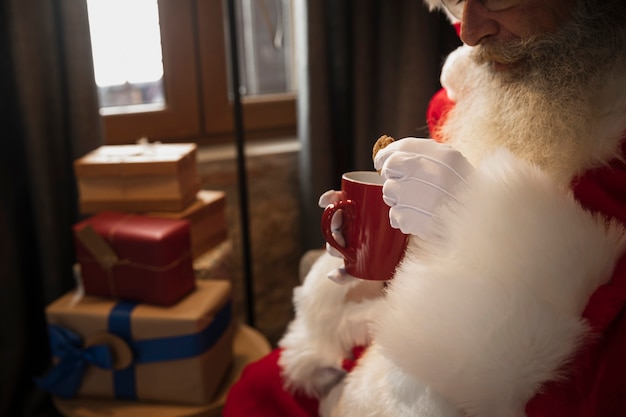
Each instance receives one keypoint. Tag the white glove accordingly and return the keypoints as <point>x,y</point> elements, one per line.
<point>340,276</point>
<point>419,175</point>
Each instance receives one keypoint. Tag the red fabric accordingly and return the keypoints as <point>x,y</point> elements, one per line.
<point>260,393</point>
<point>348,364</point>
<point>596,378</point>
<point>457,28</point>
<point>437,111</point>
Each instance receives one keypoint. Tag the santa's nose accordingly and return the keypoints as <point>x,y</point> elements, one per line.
<point>477,23</point>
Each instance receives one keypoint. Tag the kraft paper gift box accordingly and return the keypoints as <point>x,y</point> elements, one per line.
<point>130,351</point>
<point>138,177</point>
<point>207,218</point>
<point>218,263</point>
<point>134,257</point>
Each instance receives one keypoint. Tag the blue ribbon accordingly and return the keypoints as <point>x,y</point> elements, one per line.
<point>65,384</point>
<point>119,324</point>
<point>65,378</point>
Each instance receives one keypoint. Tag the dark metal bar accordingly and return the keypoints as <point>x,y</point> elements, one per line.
<point>241,164</point>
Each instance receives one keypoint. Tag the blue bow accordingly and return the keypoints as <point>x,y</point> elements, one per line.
<point>65,377</point>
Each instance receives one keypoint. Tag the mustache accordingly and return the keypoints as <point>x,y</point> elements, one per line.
<point>503,52</point>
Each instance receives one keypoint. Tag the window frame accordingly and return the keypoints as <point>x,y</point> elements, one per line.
<point>196,86</point>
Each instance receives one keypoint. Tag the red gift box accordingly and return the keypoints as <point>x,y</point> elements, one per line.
<point>135,258</point>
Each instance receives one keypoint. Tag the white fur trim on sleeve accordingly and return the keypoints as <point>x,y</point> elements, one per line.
<point>378,388</point>
<point>491,310</point>
<point>324,331</point>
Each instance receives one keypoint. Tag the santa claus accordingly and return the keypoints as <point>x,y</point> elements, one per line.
<point>511,298</point>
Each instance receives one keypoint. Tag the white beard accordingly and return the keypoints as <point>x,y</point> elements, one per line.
<point>563,127</point>
<point>561,136</point>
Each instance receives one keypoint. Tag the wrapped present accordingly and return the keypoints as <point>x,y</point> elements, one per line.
<point>130,351</point>
<point>218,263</point>
<point>207,217</point>
<point>138,177</point>
<point>134,257</point>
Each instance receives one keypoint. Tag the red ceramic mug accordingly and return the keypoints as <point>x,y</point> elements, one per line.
<point>373,248</point>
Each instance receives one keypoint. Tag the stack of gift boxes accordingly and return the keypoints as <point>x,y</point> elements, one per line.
<point>141,326</point>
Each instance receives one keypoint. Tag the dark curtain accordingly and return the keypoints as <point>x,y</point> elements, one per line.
<point>366,68</point>
<point>50,117</point>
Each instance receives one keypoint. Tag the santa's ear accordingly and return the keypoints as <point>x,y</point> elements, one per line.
<point>438,5</point>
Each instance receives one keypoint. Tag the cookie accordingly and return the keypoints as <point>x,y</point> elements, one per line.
<point>382,141</point>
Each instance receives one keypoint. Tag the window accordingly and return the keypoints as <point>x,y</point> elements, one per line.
<point>177,88</point>
<point>128,61</point>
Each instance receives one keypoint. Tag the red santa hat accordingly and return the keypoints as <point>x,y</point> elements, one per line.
<point>439,5</point>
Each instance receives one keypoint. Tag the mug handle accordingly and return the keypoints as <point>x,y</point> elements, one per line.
<point>347,206</point>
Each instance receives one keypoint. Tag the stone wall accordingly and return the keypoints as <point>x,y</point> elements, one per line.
<point>272,173</point>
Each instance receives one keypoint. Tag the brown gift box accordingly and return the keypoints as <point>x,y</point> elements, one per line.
<point>138,177</point>
<point>218,263</point>
<point>191,380</point>
<point>207,219</point>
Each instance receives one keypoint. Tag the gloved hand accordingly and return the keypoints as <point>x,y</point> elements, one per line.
<point>326,199</point>
<point>419,175</point>
<point>340,276</point>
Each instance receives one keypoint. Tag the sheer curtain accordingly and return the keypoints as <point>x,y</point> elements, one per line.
<point>49,118</point>
<point>366,68</point>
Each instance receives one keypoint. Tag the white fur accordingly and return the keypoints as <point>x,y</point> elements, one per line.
<point>490,310</point>
<point>454,72</point>
<point>380,389</point>
<point>438,5</point>
<point>324,331</point>
<point>434,4</point>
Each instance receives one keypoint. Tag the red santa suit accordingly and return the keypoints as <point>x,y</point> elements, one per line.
<point>518,308</point>
<point>576,294</point>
